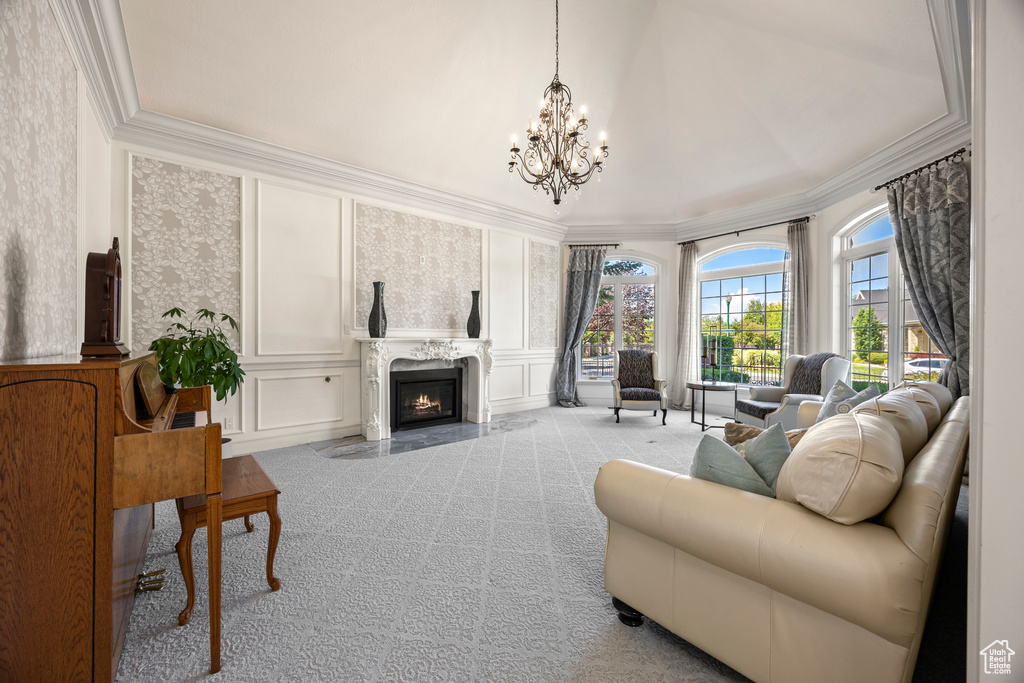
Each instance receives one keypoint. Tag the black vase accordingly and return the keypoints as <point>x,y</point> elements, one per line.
<point>378,323</point>
<point>473,324</point>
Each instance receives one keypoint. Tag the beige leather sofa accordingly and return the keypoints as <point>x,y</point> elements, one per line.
<point>773,589</point>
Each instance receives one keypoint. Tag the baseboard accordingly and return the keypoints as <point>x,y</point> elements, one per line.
<point>241,445</point>
<point>513,405</point>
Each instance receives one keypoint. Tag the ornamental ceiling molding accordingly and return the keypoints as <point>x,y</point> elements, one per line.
<point>96,31</point>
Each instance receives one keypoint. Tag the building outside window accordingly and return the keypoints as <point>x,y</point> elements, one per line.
<point>876,302</point>
<point>623,317</point>
<point>742,316</point>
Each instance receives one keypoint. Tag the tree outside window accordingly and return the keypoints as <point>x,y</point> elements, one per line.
<point>623,317</point>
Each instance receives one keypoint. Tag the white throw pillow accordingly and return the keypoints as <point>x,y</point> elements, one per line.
<point>848,468</point>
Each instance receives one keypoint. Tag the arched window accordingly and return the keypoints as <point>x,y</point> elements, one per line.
<point>623,317</point>
<point>877,301</point>
<point>743,316</point>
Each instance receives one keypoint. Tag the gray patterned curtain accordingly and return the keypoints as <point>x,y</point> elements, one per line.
<point>931,218</point>
<point>795,289</point>
<point>582,284</point>
<point>687,344</point>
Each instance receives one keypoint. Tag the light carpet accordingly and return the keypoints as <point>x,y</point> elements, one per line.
<point>473,561</point>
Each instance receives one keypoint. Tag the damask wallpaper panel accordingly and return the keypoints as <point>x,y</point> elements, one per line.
<point>543,295</point>
<point>38,184</point>
<point>429,269</point>
<point>185,245</point>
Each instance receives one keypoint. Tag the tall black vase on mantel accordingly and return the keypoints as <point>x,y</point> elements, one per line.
<point>473,324</point>
<point>378,322</point>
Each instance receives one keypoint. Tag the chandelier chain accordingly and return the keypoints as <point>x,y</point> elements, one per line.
<point>556,38</point>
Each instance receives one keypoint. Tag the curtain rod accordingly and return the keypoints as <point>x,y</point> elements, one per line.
<point>802,219</point>
<point>573,246</point>
<point>959,152</point>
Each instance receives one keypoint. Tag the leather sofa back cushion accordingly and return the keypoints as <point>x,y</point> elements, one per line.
<point>900,409</point>
<point>928,405</point>
<point>847,468</point>
<point>941,394</point>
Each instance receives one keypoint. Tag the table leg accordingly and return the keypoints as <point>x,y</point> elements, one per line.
<point>703,407</point>
<point>213,539</point>
<point>275,534</point>
<point>693,397</point>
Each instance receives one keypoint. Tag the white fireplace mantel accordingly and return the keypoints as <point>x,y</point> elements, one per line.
<point>376,356</point>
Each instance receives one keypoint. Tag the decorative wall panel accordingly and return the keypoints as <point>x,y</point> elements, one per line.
<point>429,269</point>
<point>543,295</point>
<point>185,245</point>
<point>38,184</point>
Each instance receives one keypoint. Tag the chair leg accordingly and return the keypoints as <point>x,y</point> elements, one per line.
<point>275,534</point>
<point>655,412</point>
<point>184,549</point>
<point>617,415</point>
<point>664,414</point>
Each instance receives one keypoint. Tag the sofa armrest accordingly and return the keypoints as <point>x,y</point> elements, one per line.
<point>767,394</point>
<point>788,409</point>
<point>808,413</point>
<point>862,573</point>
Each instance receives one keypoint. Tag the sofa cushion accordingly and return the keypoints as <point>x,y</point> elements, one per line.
<point>766,453</point>
<point>928,405</point>
<point>847,469</point>
<point>639,394</point>
<point>758,409</point>
<point>842,398</point>
<point>900,409</point>
<point>941,394</point>
<point>719,462</point>
<point>737,432</point>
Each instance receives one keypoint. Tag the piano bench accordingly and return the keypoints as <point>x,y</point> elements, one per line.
<point>247,490</point>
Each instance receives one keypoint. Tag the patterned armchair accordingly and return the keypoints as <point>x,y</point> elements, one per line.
<point>636,386</point>
<point>807,378</point>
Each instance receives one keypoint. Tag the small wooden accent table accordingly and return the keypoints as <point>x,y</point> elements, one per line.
<point>247,490</point>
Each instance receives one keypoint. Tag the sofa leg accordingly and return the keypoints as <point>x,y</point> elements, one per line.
<point>627,615</point>
<point>664,414</point>
<point>617,415</point>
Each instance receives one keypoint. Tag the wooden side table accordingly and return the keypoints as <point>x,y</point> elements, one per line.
<point>704,387</point>
<point>247,490</point>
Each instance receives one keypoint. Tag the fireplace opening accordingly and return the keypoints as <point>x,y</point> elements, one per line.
<point>421,398</point>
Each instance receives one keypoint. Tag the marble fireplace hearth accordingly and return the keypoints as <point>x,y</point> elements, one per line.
<point>378,355</point>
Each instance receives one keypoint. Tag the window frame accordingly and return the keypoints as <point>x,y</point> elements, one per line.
<point>617,309</point>
<point>769,268</point>
<point>845,255</point>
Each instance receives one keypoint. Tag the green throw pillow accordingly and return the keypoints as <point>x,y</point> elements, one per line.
<point>718,462</point>
<point>842,399</point>
<point>766,453</point>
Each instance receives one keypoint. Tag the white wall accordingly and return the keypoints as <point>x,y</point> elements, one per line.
<point>996,588</point>
<point>298,295</point>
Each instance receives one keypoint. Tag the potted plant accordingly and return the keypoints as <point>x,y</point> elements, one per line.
<point>191,354</point>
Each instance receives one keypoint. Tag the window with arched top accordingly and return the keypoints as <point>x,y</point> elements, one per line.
<point>876,301</point>
<point>623,317</point>
<point>743,315</point>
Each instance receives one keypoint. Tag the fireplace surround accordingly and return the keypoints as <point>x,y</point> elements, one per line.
<point>375,369</point>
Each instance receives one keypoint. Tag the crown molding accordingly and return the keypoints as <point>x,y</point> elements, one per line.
<point>98,36</point>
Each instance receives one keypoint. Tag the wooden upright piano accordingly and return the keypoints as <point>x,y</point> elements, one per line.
<point>86,448</point>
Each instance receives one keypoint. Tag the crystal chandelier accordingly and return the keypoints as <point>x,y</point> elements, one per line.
<point>557,157</point>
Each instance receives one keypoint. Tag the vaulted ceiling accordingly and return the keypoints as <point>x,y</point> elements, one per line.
<point>710,108</point>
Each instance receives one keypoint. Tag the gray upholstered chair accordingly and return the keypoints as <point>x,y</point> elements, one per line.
<point>807,378</point>
<point>636,385</point>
